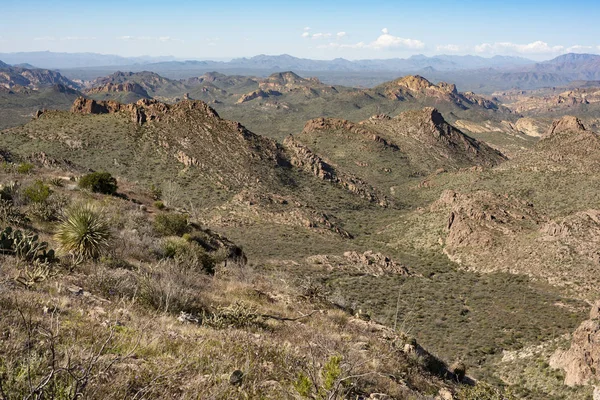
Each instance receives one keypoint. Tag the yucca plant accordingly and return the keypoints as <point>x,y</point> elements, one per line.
<point>83,232</point>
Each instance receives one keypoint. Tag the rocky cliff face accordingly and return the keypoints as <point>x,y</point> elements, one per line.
<point>581,362</point>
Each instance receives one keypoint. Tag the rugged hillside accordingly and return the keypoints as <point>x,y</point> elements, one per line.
<point>280,104</point>
<point>387,152</point>
<point>19,104</point>
<point>31,78</point>
<point>136,86</point>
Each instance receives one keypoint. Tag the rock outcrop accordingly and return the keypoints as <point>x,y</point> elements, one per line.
<point>475,219</point>
<point>329,124</point>
<point>426,134</point>
<point>565,124</point>
<point>142,111</point>
<point>258,94</point>
<point>130,87</point>
<point>369,263</point>
<point>415,87</point>
<point>303,158</point>
<point>581,362</point>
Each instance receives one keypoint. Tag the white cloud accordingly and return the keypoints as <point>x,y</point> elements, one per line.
<point>307,28</point>
<point>305,34</point>
<point>321,35</point>
<point>383,42</point>
<point>45,38</point>
<point>579,48</point>
<point>387,41</point>
<point>537,47</point>
<point>340,35</point>
<point>450,48</point>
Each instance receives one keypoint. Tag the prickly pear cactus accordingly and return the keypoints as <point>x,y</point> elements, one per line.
<point>24,245</point>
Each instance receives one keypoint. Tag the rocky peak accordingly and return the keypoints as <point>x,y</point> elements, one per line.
<point>145,109</point>
<point>565,124</point>
<point>415,83</point>
<point>286,77</point>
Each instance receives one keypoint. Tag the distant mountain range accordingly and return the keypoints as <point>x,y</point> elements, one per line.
<point>51,60</point>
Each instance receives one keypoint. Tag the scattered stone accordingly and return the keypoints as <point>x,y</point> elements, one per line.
<point>236,377</point>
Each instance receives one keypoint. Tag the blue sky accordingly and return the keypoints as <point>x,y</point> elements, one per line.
<point>313,29</point>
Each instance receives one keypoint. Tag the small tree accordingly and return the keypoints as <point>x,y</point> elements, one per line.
<point>99,182</point>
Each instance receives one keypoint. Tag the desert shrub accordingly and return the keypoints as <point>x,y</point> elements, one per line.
<point>155,192</point>
<point>237,315</point>
<point>188,254</point>
<point>482,391</point>
<point>38,192</point>
<point>99,182</point>
<point>83,232</point>
<point>170,224</point>
<point>50,209</point>
<point>169,287</point>
<point>25,168</point>
<point>459,369</point>
<point>111,282</point>
<point>159,204</point>
<point>303,385</point>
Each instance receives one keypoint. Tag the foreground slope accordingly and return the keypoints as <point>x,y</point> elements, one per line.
<point>164,316</point>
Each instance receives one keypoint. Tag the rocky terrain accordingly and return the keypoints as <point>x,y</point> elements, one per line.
<point>409,227</point>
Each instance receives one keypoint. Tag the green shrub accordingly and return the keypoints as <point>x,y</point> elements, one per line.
<point>331,372</point>
<point>37,193</point>
<point>99,182</point>
<point>303,385</point>
<point>25,168</point>
<point>83,232</point>
<point>171,224</point>
<point>159,204</point>
<point>483,391</point>
<point>188,254</point>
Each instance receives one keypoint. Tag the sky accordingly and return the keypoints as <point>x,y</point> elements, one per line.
<point>373,29</point>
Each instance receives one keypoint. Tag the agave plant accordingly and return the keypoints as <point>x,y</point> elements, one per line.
<point>83,232</point>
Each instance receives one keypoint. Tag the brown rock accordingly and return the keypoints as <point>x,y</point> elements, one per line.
<point>565,124</point>
<point>581,361</point>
